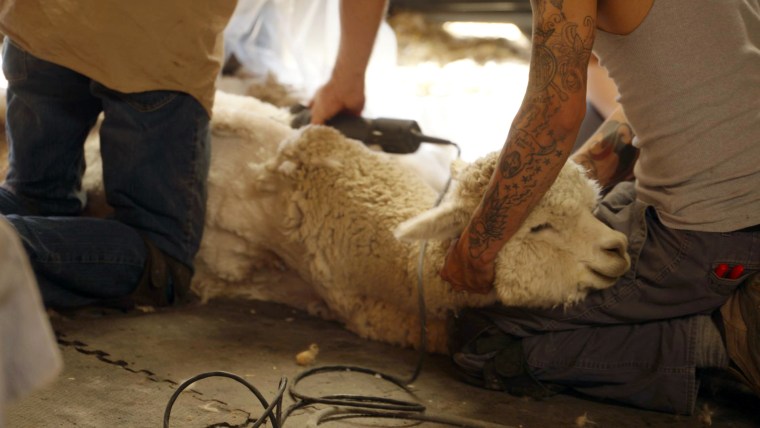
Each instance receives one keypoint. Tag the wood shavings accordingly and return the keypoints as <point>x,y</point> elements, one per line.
<point>309,356</point>
<point>421,40</point>
<point>705,415</point>
<point>209,407</point>
<point>271,90</point>
<point>583,421</point>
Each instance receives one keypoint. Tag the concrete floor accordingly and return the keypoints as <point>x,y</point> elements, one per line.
<point>122,368</point>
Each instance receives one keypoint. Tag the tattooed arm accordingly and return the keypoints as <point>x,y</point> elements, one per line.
<point>538,143</point>
<point>608,155</point>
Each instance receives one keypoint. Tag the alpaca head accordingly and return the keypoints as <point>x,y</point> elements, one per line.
<point>560,253</point>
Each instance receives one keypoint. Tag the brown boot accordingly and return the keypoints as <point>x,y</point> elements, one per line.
<point>741,320</point>
<point>164,280</point>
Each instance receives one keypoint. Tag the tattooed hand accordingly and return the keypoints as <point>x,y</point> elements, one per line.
<point>462,275</point>
<point>609,156</point>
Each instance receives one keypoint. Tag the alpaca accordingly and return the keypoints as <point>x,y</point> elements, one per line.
<point>322,223</point>
<point>331,211</point>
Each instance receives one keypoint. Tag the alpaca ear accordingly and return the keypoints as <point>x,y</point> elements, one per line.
<point>443,222</point>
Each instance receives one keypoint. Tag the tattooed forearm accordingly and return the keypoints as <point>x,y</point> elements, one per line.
<point>491,225</point>
<point>609,156</point>
<point>537,144</point>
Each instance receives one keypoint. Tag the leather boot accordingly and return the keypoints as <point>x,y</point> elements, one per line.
<point>741,323</point>
<point>164,280</point>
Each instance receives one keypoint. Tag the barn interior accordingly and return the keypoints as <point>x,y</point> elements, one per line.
<point>459,69</point>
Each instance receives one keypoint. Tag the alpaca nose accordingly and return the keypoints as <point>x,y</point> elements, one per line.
<point>616,247</point>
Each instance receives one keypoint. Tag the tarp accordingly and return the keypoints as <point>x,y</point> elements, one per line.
<point>297,41</point>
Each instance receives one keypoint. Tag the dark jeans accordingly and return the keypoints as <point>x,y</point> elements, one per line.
<point>155,152</point>
<point>635,342</point>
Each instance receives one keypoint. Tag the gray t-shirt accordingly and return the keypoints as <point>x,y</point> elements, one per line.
<point>689,82</point>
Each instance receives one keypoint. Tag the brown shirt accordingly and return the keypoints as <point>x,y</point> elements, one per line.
<point>128,46</point>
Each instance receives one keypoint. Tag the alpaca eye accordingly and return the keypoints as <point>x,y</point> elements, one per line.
<point>540,227</point>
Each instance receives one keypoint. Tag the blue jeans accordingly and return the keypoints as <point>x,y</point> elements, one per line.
<point>155,152</point>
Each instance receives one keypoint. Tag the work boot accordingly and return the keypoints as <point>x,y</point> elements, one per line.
<point>485,356</point>
<point>741,322</point>
<point>164,280</point>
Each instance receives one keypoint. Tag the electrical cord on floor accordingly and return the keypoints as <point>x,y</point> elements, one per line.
<point>421,281</point>
<point>347,406</point>
<point>269,409</point>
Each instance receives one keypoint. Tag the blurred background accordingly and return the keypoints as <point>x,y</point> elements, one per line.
<point>459,68</point>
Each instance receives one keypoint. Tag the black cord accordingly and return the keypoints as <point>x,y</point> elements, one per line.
<point>421,288</point>
<point>276,419</point>
<point>334,413</point>
<point>344,406</point>
<point>435,140</point>
<point>360,401</point>
<point>348,406</point>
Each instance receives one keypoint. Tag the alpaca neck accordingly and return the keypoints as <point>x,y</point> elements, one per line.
<point>440,297</point>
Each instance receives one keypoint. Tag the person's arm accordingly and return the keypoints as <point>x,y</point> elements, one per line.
<point>539,141</point>
<point>344,91</point>
<point>609,155</point>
